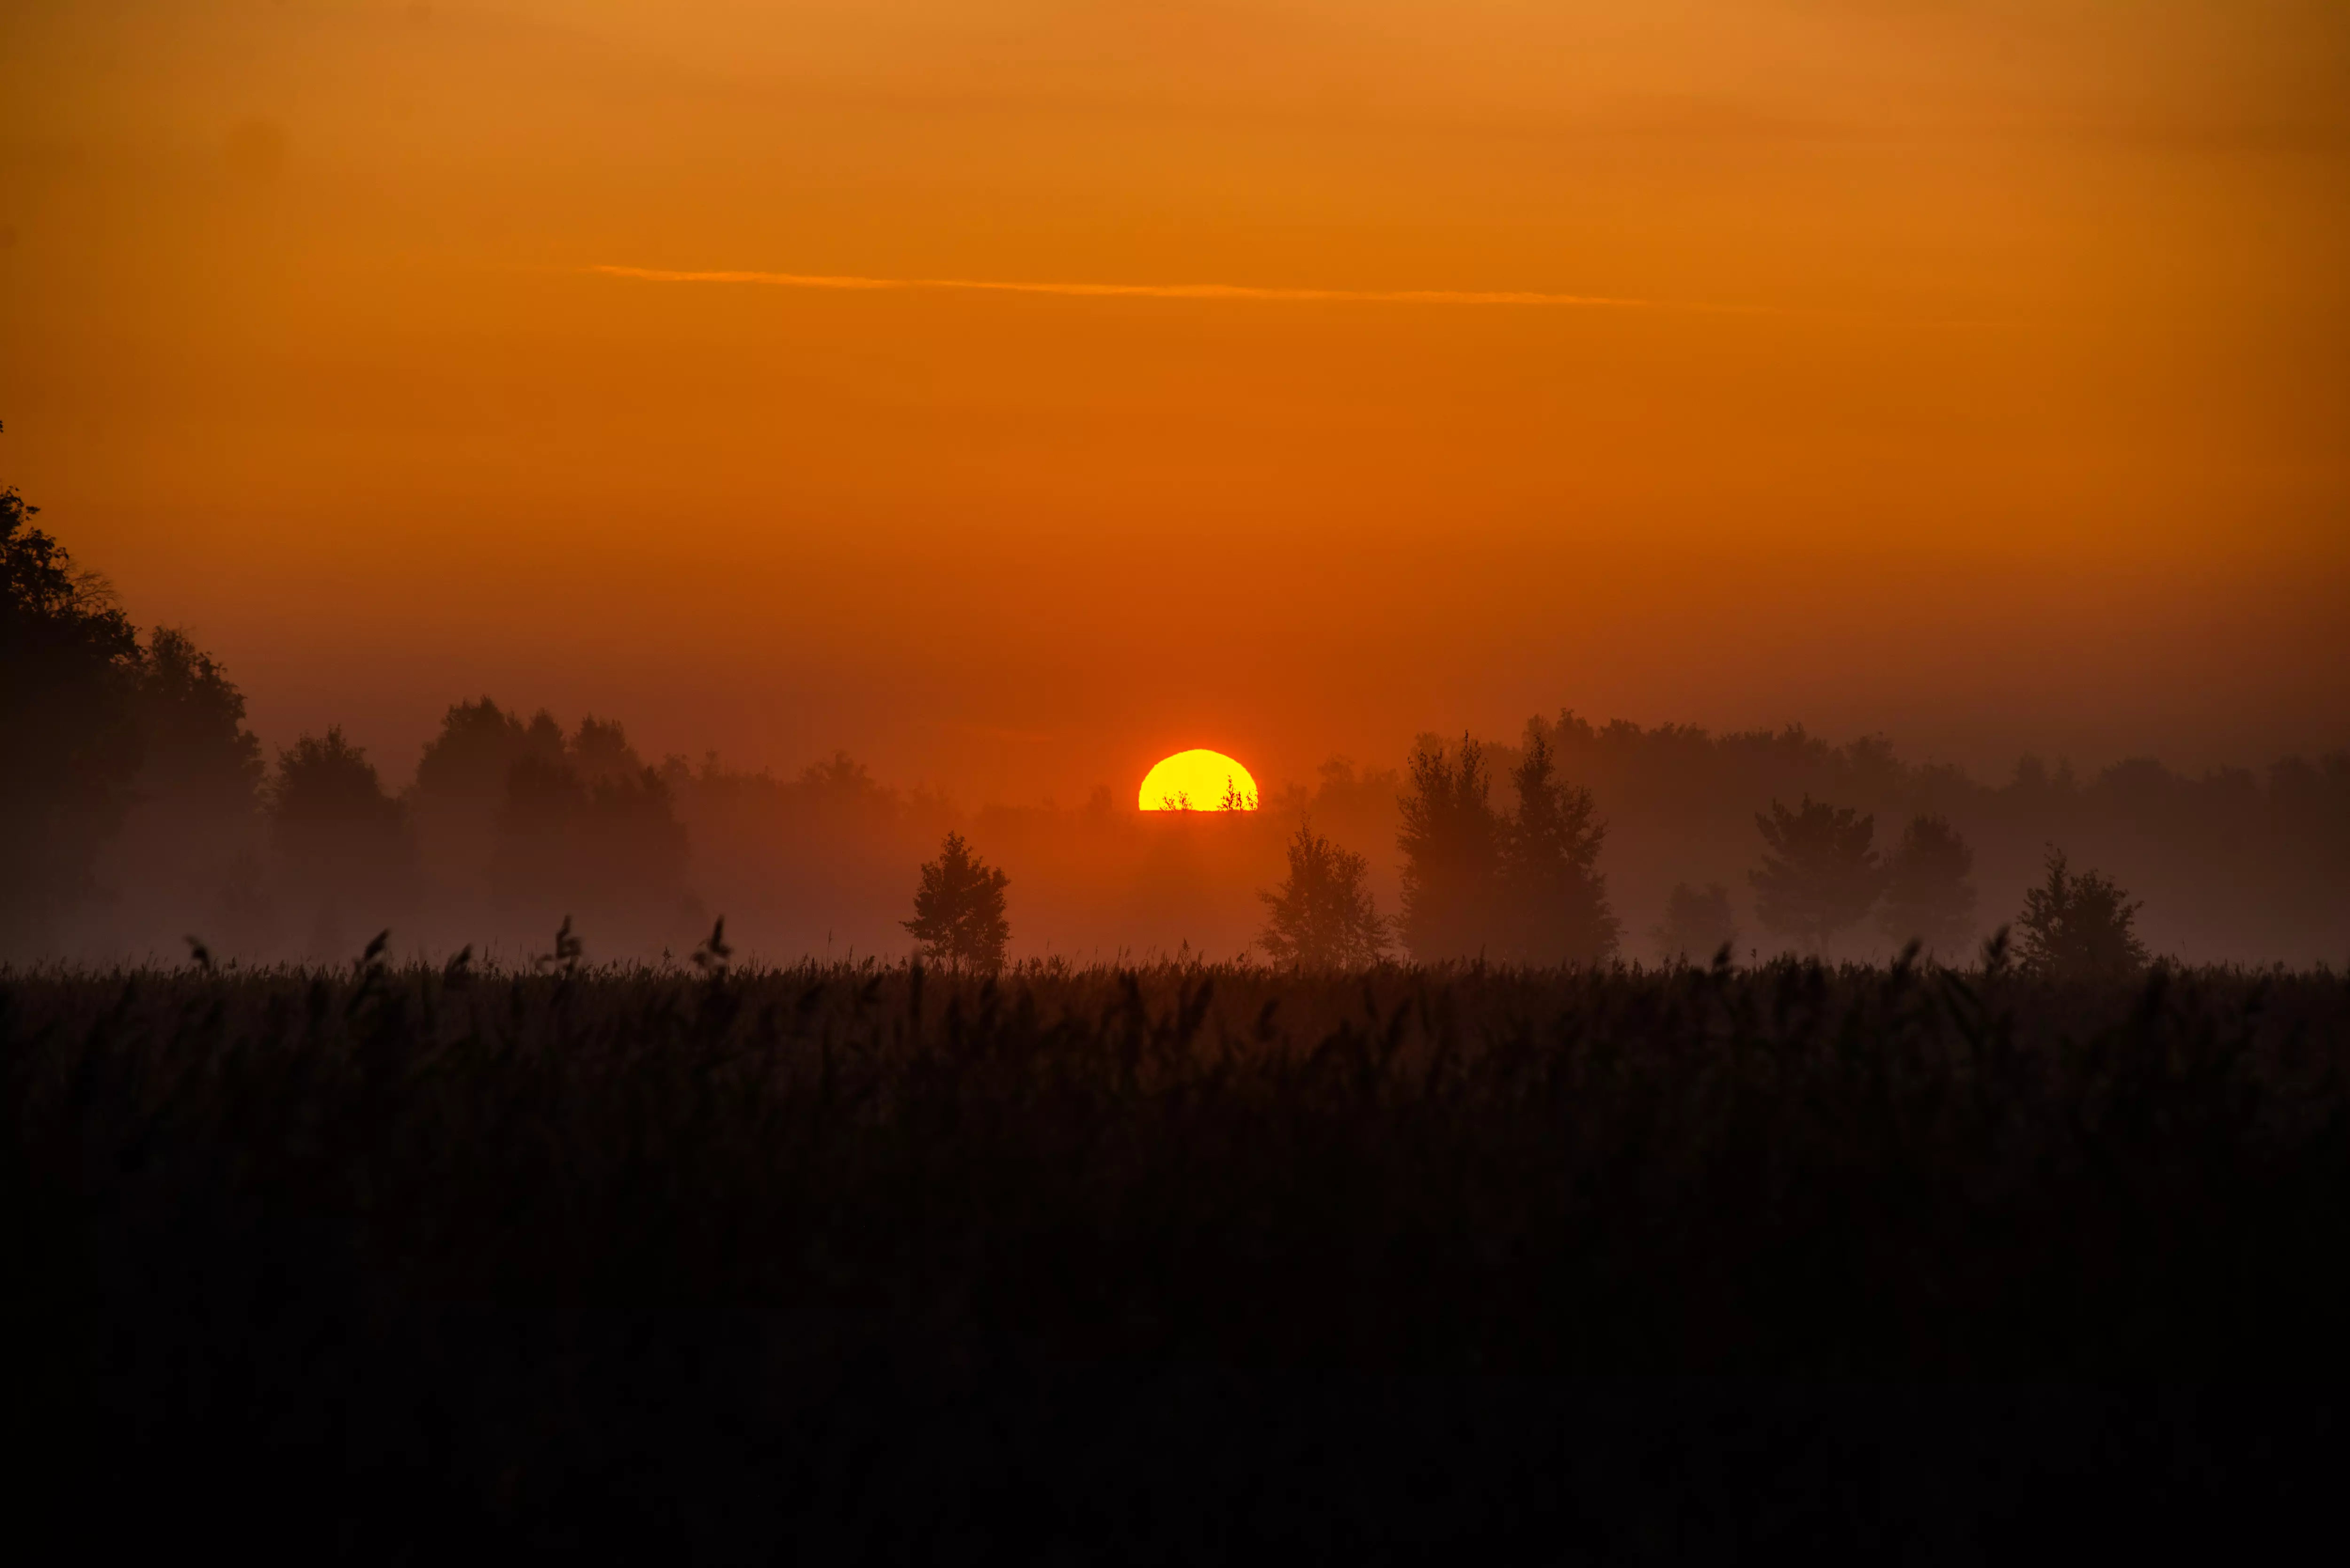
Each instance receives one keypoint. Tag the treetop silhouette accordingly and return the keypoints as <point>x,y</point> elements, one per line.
<point>1322,916</point>
<point>1927,895</point>
<point>2080,925</point>
<point>1819,873</point>
<point>1555,895</point>
<point>1450,845</point>
<point>69,746</point>
<point>959,908</point>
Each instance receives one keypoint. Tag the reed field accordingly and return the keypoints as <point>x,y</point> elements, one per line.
<point>888,1263</point>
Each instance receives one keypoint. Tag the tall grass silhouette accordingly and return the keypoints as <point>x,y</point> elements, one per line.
<point>901,1261</point>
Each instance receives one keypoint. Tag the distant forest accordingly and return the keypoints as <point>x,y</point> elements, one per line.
<point>140,818</point>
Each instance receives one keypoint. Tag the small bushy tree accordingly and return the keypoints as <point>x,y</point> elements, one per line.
<point>1323,917</point>
<point>1819,874</point>
<point>1697,923</point>
<point>1927,895</point>
<point>959,908</point>
<point>2083,926</point>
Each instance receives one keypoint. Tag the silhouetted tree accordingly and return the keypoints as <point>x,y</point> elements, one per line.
<point>340,842</point>
<point>959,908</point>
<point>190,717</point>
<point>1927,895</point>
<point>69,740</point>
<point>637,850</point>
<point>600,752</point>
<point>1555,894</point>
<point>585,828</point>
<point>1323,917</point>
<point>2081,925</point>
<point>468,760</point>
<point>1451,844</point>
<point>1819,873</point>
<point>190,851</point>
<point>460,788</point>
<point>538,829</point>
<point>1697,923</point>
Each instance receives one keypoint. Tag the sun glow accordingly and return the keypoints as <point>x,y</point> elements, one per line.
<point>1199,779</point>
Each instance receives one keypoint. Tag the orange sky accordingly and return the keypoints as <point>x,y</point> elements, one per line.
<point>1989,385</point>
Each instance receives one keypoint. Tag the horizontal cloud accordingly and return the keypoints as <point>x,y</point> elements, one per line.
<point>1136,290</point>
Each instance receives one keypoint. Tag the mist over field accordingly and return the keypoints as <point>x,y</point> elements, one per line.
<point>509,827</point>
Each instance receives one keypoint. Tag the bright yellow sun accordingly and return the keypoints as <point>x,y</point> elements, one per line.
<point>1199,779</point>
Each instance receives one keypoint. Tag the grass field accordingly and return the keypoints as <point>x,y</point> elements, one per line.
<point>876,1262</point>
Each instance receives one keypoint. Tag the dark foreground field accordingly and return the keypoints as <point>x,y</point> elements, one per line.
<point>1085,1265</point>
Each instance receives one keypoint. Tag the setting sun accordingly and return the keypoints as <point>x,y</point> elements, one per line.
<point>1199,779</point>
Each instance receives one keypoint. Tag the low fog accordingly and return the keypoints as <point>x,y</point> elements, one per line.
<point>510,828</point>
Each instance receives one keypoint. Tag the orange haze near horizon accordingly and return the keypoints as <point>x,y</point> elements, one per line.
<point>1006,391</point>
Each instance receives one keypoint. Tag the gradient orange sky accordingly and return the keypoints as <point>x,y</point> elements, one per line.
<point>1985,377</point>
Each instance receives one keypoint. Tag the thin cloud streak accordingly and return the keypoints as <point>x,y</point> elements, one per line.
<point>1139,290</point>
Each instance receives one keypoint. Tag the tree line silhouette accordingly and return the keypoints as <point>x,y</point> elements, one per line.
<point>136,810</point>
<point>1524,888</point>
